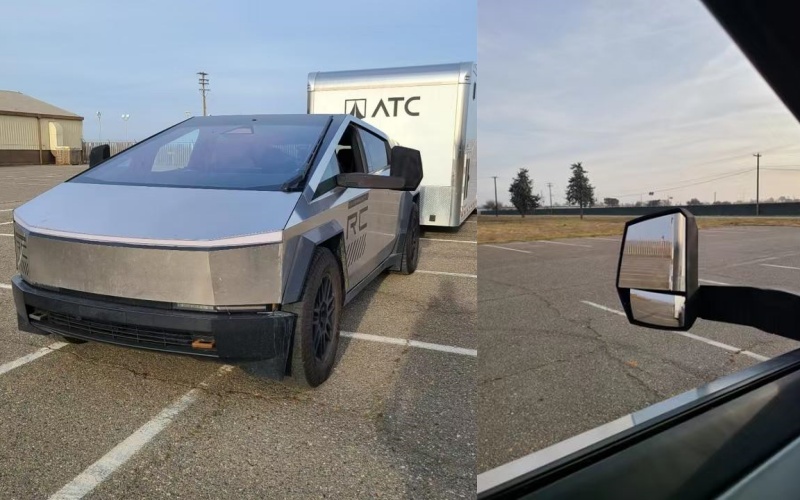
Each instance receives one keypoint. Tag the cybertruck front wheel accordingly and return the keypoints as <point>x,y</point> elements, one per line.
<point>411,251</point>
<point>316,331</point>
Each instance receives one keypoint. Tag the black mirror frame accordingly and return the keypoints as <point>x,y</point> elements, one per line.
<point>692,286</point>
<point>360,180</point>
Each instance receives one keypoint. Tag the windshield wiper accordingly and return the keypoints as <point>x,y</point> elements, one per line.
<point>296,182</point>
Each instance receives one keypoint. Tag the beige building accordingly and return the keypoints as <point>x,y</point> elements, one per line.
<point>33,132</point>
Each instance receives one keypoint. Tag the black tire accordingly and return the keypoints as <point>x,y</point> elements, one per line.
<point>316,332</point>
<point>73,340</point>
<point>411,251</point>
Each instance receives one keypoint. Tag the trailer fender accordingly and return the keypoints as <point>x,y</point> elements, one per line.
<point>329,234</point>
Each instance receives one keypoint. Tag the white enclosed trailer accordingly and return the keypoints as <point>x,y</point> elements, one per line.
<point>430,108</point>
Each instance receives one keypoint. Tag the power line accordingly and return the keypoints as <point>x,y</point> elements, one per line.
<point>203,89</point>
<point>694,182</point>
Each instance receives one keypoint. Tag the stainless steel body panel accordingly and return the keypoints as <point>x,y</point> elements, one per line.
<point>156,216</point>
<point>444,128</point>
<point>215,277</point>
<point>210,247</point>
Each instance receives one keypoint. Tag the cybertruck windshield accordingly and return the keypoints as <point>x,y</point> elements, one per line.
<point>266,153</point>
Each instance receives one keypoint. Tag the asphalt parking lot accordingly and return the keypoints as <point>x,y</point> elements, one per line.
<point>558,357</point>
<point>396,419</point>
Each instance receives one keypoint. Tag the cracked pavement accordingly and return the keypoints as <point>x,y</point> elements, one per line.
<point>551,367</point>
<point>393,421</point>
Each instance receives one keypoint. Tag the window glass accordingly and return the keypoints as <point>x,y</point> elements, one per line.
<point>375,151</point>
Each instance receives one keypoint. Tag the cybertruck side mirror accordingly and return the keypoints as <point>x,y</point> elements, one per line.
<point>405,173</point>
<point>99,154</point>
<point>657,278</point>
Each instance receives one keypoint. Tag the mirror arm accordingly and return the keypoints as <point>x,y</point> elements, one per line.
<point>771,311</point>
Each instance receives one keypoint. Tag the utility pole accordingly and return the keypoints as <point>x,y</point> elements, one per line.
<point>758,175</point>
<point>496,208</point>
<point>99,128</point>
<point>203,89</point>
<point>125,118</point>
<point>550,190</point>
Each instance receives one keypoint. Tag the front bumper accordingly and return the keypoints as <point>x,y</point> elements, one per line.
<point>227,336</point>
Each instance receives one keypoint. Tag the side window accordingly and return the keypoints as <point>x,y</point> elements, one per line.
<point>328,179</point>
<point>376,151</point>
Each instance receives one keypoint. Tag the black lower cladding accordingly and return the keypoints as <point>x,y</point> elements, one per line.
<point>235,336</point>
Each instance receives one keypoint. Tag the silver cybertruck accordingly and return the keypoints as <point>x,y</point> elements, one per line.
<point>234,237</point>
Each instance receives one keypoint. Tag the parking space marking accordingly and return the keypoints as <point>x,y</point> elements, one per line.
<point>6,209</point>
<point>782,267</point>
<point>410,343</point>
<point>615,240</point>
<point>506,248</point>
<point>442,273</point>
<point>102,469</point>
<point>714,282</point>
<point>7,367</point>
<point>565,244</point>
<point>6,223</point>
<point>5,286</point>
<point>5,234</point>
<point>690,335</point>
<point>450,241</point>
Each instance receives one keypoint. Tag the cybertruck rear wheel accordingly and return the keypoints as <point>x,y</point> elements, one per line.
<point>411,252</point>
<point>316,333</point>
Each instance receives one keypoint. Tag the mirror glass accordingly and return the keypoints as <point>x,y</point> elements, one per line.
<point>659,309</point>
<point>654,256</point>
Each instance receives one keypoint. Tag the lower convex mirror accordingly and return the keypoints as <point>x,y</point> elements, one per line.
<point>661,309</point>
<point>657,273</point>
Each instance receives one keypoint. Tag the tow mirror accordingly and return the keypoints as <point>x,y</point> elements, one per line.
<point>405,173</point>
<point>99,154</point>
<point>657,272</point>
<point>406,163</point>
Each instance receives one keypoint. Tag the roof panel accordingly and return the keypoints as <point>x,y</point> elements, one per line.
<point>17,103</point>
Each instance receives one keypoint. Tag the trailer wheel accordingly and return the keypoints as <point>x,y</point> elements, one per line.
<point>316,332</point>
<point>411,252</point>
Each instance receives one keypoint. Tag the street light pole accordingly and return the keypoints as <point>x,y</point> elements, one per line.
<point>758,175</point>
<point>125,118</point>
<point>99,128</point>
<point>496,214</point>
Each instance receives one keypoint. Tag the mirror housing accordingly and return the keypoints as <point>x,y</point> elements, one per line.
<point>406,163</point>
<point>405,173</point>
<point>99,154</point>
<point>657,278</point>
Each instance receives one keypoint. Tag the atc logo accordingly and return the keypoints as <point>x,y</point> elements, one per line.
<point>395,106</point>
<point>356,107</point>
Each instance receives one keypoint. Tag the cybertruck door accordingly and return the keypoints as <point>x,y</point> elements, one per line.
<point>384,203</point>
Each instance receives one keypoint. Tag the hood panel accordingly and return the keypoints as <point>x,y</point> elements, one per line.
<point>156,213</point>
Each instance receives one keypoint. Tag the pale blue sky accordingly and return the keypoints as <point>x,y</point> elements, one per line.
<point>648,94</point>
<point>141,58</point>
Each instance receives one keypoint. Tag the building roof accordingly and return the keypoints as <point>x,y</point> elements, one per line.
<point>18,104</point>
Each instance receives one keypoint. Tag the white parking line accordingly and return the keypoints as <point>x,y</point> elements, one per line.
<point>6,234</point>
<point>450,241</point>
<point>565,244</point>
<point>615,240</point>
<point>6,223</point>
<point>442,273</point>
<point>715,282</point>
<point>782,267</point>
<point>410,343</point>
<point>690,335</point>
<point>6,209</point>
<point>101,470</point>
<point>5,286</point>
<point>7,367</point>
<point>506,248</point>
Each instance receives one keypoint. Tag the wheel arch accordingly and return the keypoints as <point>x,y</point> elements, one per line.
<point>331,236</point>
